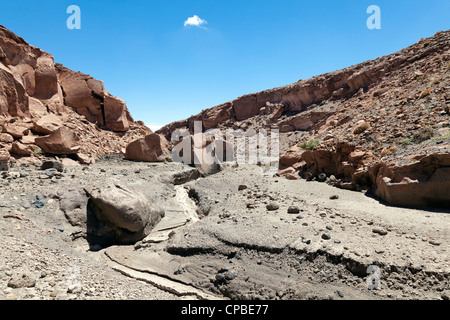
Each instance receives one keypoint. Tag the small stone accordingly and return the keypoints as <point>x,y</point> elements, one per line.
<point>293,210</point>
<point>251,204</point>
<point>272,206</point>
<point>52,164</point>
<point>26,205</point>
<point>339,293</point>
<point>242,187</point>
<point>220,277</point>
<point>74,288</point>
<point>381,232</point>
<point>230,275</point>
<point>326,236</point>
<point>334,197</point>
<point>322,177</point>
<point>22,280</point>
<point>178,271</point>
<point>434,242</point>
<point>39,204</point>
<point>50,172</point>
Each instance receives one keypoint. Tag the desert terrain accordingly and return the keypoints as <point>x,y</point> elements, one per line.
<point>356,207</point>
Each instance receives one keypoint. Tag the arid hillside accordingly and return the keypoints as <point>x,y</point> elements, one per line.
<point>381,125</point>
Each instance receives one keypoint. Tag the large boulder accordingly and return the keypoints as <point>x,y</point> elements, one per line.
<point>115,114</point>
<point>152,148</point>
<point>123,215</point>
<point>61,142</point>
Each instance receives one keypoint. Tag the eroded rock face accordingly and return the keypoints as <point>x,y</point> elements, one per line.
<point>89,98</point>
<point>152,148</point>
<point>123,214</point>
<point>38,97</point>
<point>419,184</point>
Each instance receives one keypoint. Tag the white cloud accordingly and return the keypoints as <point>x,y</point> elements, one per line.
<point>195,21</point>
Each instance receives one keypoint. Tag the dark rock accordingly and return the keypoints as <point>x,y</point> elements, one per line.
<point>242,187</point>
<point>38,204</point>
<point>230,275</point>
<point>272,206</point>
<point>326,236</point>
<point>52,164</point>
<point>334,197</point>
<point>381,232</point>
<point>293,210</point>
<point>123,215</point>
<point>322,177</point>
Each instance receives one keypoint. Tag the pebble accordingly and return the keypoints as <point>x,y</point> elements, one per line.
<point>334,197</point>
<point>326,236</point>
<point>381,232</point>
<point>230,275</point>
<point>434,242</point>
<point>242,187</point>
<point>272,206</point>
<point>293,209</point>
<point>322,177</point>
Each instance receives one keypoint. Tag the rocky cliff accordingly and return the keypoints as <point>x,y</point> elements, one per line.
<point>46,108</point>
<point>382,125</point>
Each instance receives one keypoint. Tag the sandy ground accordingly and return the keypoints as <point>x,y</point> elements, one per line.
<point>274,239</point>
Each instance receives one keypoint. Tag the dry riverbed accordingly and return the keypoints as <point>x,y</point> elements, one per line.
<point>237,234</point>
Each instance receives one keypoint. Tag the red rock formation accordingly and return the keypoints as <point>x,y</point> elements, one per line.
<point>39,97</point>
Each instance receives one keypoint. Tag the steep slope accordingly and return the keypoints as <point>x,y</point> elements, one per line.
<point>46,108</point>
<point>383,124</point>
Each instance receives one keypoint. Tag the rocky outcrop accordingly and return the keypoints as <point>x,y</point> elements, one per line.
<point>39,97</point>
<point>89,98</point>
<point>422,183</point>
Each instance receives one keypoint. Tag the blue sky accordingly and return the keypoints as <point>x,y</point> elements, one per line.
<point>167,71</point>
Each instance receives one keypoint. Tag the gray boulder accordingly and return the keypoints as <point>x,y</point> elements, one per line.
<point>121,214</point>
